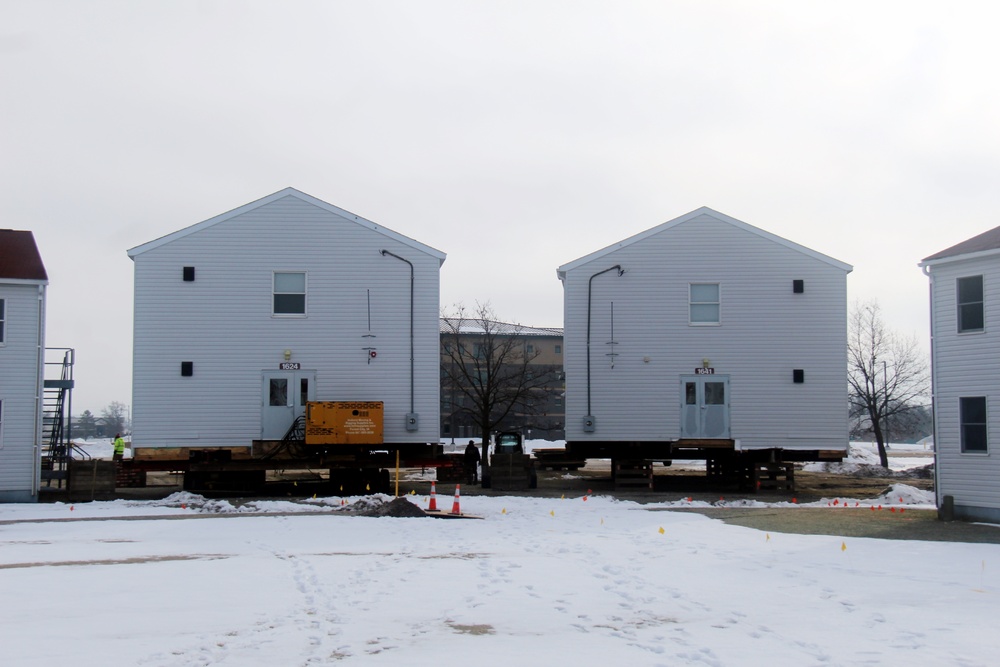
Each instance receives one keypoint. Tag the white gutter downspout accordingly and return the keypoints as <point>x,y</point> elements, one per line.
<point>934,420</point>
<point>36,465</point>
<point>412,418</point>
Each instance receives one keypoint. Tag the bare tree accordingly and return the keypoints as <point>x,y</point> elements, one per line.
<point>887,373</point>
<point>487,363</point>
<point>115,418</point>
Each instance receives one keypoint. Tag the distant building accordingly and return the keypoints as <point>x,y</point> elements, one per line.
<point>965,368</point>
<point>243,318</point>
<point>23,283</point>
<point>709,334</point>
<point>542,348</point>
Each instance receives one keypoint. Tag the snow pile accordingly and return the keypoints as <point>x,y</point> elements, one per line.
<point>897,494</point>
<point>904,494</point>
<point>197,504</point>
<point>373,505</point>
<point>863,461</point>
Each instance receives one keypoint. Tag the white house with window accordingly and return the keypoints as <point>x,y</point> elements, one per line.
<point>706,330</point>
<point>965,356</point>
<point>23,283</point>
<point>243,318</point>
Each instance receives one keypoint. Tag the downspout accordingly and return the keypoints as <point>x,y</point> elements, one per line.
<point>412,419</point>
<point>934,421</point>
<point>36,465</point>
<point>589,421</point>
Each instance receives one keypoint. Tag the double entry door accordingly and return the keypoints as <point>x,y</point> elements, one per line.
<point>284,395</point>
<point>705,406</point>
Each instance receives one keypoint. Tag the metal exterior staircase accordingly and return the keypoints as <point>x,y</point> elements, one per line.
<point>57,410</point>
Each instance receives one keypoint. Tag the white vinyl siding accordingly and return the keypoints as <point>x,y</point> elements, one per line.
<point>223,322</point>
<point>768,332</point>
<point>3,321</point>
<point>965,366</point>
<point>289,293</point>
<point>20,377</point>
<point>971,316</point>
<point>705,304</point>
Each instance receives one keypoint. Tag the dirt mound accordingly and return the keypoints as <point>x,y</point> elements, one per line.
<point>924,472</point>
<point>397,507</point>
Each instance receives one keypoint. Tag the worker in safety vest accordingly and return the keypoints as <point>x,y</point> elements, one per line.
<point>119,448</point>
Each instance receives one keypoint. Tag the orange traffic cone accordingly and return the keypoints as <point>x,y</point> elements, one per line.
<point>433,506</point>
<point>454,507</point>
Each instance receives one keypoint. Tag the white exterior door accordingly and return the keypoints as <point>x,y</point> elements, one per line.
<point>705,406</point>
<point>284,397</point>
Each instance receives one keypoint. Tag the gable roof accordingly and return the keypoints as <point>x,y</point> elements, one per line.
<point>981,243</point>
<point>281,194</point>
<point>704,210</point>
<point>19,258</point>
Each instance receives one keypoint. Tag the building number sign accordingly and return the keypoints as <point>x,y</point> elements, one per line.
<point>704,371</point>
<point>289,366</point>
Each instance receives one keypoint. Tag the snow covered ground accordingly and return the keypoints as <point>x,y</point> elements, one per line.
<point>583,580</point>
<point>188,581</point>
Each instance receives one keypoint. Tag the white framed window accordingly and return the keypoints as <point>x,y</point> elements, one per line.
<point>972,415</point>
<point>289,294</point>
<point>3,321</point>
<point>704,304</point>
<point>971,316</point>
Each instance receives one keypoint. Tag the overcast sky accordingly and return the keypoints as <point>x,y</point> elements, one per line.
<point>514,136</point>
